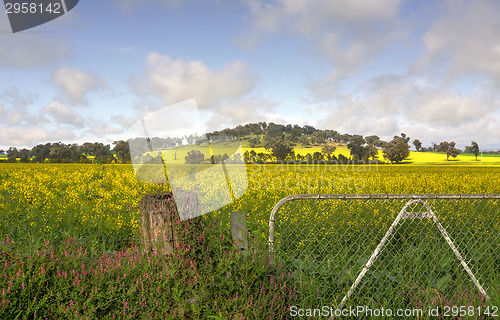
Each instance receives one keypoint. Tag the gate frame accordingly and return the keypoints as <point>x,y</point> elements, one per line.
<point>412,199</point>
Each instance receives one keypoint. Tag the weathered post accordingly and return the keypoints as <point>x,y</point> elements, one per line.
<point>161,227</point>
<point>239,231</point>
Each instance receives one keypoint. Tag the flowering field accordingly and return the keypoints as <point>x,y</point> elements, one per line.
<point>86,217</point>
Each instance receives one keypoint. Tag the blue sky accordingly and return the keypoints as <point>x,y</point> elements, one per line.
<point>430,69</point>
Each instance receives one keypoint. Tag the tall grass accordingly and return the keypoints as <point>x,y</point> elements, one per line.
<point>75,278</point>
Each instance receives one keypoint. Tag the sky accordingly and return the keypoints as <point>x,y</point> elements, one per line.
<point>430,69</point>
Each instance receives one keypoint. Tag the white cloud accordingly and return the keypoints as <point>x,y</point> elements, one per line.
<point>76,84</point>
<point>310,16</point>
<point>241,111</point>
<point>130,5</point>
<point>178,80</point>
<point>15,107</point>
<point>62,114</point>
<point>465,40</point>
<point>26,50</point>
<point>349,34</point>
<point>29,136</point>
<point>124,121</point>
<point>417,106</point>
<point>451,109</point>
<point>101,130</point>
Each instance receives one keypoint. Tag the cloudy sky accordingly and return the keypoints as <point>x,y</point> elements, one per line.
<point>430,69</point>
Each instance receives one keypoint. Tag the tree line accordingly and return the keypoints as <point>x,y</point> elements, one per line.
<point>59,152</point>
<point>278,139</point>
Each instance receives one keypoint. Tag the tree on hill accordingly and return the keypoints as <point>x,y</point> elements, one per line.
<point>317,157</point>
<point>253,142</point>
<point>304,141</point>
<point>375,141</point>
<point>327,150</point>
<point>473,148</point>
<point>449,149</point>
<point>194,157</point>
<point>281,150</point>
<point>372,151</point>
<point>357,147</point>
<point>417,144</point>
<point>397,149</point>
<point>308,130</point>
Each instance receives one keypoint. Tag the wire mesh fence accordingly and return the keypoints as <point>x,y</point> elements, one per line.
<point>379,250</point>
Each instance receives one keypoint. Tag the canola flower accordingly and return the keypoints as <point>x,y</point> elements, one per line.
<point>104,199</point>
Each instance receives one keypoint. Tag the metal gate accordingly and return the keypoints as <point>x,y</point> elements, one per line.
<point>397,250</point>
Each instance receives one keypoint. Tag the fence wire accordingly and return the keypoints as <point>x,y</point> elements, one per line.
<point>328,243</point>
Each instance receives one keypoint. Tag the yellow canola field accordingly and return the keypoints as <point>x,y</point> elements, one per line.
<point>96,198</point>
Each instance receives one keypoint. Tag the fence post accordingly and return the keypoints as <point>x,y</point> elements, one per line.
<point>239,231</point>
<point>161,227</point>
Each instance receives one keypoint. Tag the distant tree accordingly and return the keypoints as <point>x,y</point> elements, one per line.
<point>2,152</point>
<point>194,157</point>
<point>189,139</point>
<point>417,144</point>
<point>24,155</point>
<point>254,142</point>
<point>405,138</point>
<point>122,150</point>
<point>41,152</point>
<point>99,151</point>
<point>473,148</point>
<point>449,149</point>
<point>12,154</point>
<point>304,141</point>
<point>397,149</point>
<point>374,140</point>
<point>357,147</point>
<point>269,143</point>
<point>343,159</point>
<point>318,137</point>
<point>317,156</point>
<point>308,158</point>
<point>275,130</point>
<point>281,150</point>
<point>289,139</point>
<point>246,156</point>
<point>372,151</point>
<point>327,150</point>
<point>308,130</point>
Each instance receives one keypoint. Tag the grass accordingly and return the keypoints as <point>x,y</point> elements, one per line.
<point>68,239</point>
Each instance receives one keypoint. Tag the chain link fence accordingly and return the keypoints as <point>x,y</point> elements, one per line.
<point>389,250</point>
